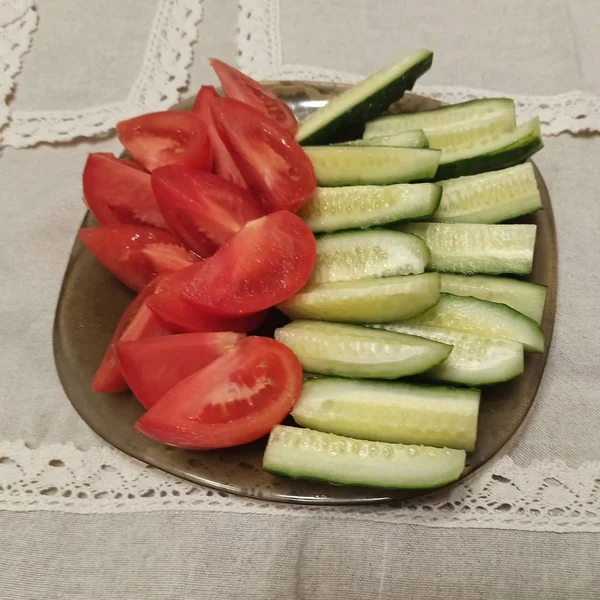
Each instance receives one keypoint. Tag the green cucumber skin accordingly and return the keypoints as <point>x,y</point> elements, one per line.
<point>351,124</point>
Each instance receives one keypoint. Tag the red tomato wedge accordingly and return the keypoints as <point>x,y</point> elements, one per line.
<point>245,89</point>
<point>202,209</point>
<point>268,261</point>
<point>118,192</point>
<point>170,305</point>
<point>135,254</point>
<point>137,322</point>
<point>170,137</point>
<point>274,165</point>
<point>223,164</point>
<point>153,366</point>
<point>236,399</point>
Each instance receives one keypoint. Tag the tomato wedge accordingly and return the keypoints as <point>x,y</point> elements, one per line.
<point>223,164</point>
<point>170,137</point>
<point>170,305</point>
<point>236,399</point>
<point>118,192</point>
<point>137,322</point>
<point>269,260</point>
<point>245,89</point>
<point>135,254</point>
<point>274,165</point>
<point>202,209</point>
<point>153,366</point>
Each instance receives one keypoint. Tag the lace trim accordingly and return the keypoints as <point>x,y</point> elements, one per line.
<point>260,55</point>
<point>163,73</point>
<point>545,496</point>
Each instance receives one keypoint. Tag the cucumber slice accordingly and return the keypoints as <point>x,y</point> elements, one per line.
<point>475,360</point>
<point>489,197</point>
<point>477,248</point>
<point>358,165</point>
<point>365,301</point>
<point>528,298</point>
<point>390,412</point>
<point>333,209</point>
<point>352,255</point>
<point>459,119</point>
<point>414,138</point>
<point>480,317</point>
<point>347,113</point>
<point>352,351</point>
<point>493,153</point>
<point>303,453</point>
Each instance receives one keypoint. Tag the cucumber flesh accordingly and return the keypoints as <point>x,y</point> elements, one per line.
<point>475,360</point>
<point>347,113</point>
<point>489,197</point>
<point>352,255</point>
<point>307,454</point>
<point>334,209</point>
<point>477,248</point>
<point>365,301</point>
<point>353,351</point>
<point>480,317</point>
<point>359,165</point>
<point>415,138</point>
<point>390,412</point>
<point>528,298</point>
<point>493,153</point>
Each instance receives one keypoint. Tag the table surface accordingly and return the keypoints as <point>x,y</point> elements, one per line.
<point>80,520</point>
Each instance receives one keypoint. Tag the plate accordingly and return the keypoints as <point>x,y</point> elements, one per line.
<point>92,300</point>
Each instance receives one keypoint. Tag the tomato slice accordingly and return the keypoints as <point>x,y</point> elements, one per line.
<point>223,164</point>
<point>245,89</point>
<point>202,209</point>
<point>268,261</point>
<point>236,399</point>
<point>170,137</point>
<point>170,305</point>
<point>137,322</point>
<point>273,164</point>
<point>153,366</point>
<point>118,192</point>
<point>135,254</point>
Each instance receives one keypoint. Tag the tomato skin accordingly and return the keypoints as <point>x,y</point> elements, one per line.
<point>152,366</point>
<point>202,209</point>
<point>223,164</point>
<point>135,254</point>
<point>245,89</point>
<point>274,165</point>
<point>170,137</point>
<point>268,261</point>
<point>234,400</point>
<point>118,192</point>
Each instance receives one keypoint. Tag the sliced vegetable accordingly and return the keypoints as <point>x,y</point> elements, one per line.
<point>527,298</point>
<point>477,248</point>
<point>390,412</point>
<point>236,399</point>
<point>414,138</point>
<point>333,209</point>
<point>245,89</point>
<point>303,453</point>
<point>352,351</point>
<point>345,115</point>
<point>202,209</point>
<point>378,165</point>
<point>489,197</point>
<point>269,260</point>
<point>352,255</point>
<point>153,366</point>
<point>135,254</point>
<point>272,163</point>
<point>170,137</point>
